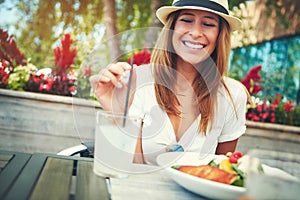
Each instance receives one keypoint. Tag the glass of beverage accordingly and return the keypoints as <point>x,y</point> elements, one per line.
<point>116,137</point>
<point>273,175</point>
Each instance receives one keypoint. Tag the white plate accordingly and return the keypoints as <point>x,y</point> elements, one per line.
<point>204,187</point>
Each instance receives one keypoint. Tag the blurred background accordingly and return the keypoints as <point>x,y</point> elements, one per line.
<point>37,33</point>
<point>53,47</point>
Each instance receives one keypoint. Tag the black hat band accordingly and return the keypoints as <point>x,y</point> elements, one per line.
<point>203,3</point>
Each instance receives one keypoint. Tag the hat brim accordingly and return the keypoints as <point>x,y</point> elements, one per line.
<point>163,12</point>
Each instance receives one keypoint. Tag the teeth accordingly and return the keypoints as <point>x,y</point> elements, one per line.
<point>194,46</point>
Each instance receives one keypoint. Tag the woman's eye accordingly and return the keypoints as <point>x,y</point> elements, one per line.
<point>186,20</point>
<point>209,24</point>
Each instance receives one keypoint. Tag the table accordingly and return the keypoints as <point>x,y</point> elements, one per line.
<point>49,176</point>
<point>46,176</point>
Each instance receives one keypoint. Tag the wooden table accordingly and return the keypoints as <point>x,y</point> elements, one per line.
<point>46,176</point>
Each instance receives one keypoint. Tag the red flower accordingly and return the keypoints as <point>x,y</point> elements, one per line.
<point>277,100</point>
<point>252,116</point>
<point>142,57</point>
<point>46,84</point>
<point>264,116</point>
<point>64,56</point>
<point>49,81</point>
<point>259,107</point>
<point>36,78</point>
<point>288,106</point>
<point>273,117</point>
<point>72,88</point>
<point>252,81</point>
<point>9,51</point>
<point>4,75</point>
<point>255,118</point>
<point>64,78</point>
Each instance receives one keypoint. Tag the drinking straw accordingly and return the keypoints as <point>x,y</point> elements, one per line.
<point>128,91</point>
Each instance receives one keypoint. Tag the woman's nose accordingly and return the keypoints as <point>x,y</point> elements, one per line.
<point>196,30</point>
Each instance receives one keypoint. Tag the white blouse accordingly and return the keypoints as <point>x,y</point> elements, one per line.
<point>158,133</point>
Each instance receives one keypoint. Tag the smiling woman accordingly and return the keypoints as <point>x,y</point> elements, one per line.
<point>184,95</point>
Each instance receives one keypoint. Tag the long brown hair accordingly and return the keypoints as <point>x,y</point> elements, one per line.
<point>208,81</point>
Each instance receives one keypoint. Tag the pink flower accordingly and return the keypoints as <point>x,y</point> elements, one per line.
<point>87,71</point>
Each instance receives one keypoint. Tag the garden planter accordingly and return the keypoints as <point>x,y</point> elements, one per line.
<point>270,136</point>
<point>33,122</point>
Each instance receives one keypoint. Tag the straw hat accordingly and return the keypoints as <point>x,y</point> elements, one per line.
<point>219,7</point>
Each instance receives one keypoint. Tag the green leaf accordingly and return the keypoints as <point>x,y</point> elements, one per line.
<point>213,163</point>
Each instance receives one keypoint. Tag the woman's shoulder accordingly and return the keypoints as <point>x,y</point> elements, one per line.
<point>144,74</point>
<point>235,88</point>
<point>233,84</point>
<point>144,81</point>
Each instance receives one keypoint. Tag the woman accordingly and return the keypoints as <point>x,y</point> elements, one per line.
<point>186,99</point>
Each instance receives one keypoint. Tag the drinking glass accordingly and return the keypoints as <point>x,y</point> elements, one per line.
<point>115,142</point>
<point>273,175</point>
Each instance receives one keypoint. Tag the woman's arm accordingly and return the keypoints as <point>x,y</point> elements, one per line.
<point>225,147</point>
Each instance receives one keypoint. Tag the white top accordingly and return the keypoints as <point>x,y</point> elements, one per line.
<point>158,131</point>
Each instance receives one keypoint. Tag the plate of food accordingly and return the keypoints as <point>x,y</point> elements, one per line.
<point>212,176</point>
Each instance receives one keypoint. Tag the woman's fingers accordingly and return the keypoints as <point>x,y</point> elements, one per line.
<point>108,85</point>
<point>109,76</point>
<point>112,74</point>
<point>94,79</point>
<point>119,68</point>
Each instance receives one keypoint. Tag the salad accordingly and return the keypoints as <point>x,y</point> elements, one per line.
<point>231,170</point>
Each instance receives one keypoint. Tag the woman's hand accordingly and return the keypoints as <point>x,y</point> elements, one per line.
<point>110,87</point>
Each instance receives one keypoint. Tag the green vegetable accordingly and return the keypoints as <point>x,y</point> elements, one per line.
<point>213,163</point>
<point>240,180</point>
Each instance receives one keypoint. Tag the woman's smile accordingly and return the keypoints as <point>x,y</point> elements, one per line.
<point>193,45</point>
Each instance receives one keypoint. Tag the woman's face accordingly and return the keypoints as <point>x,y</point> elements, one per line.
<point>195,35</point>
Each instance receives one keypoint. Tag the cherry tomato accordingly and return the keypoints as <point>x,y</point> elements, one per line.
<point>233,159</point>
<point>237,154</point>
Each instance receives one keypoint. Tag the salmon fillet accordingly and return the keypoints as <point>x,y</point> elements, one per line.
<point>210,173</point>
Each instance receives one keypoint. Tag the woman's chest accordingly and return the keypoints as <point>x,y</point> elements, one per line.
<point>189,111</point>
